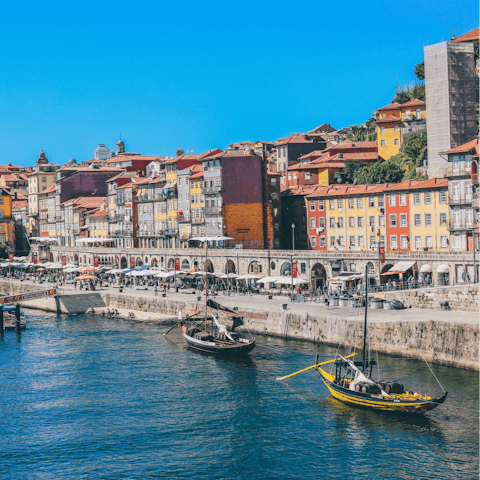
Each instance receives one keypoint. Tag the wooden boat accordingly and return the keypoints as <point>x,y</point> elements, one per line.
<point>352,383</point>
<point>212,337</point>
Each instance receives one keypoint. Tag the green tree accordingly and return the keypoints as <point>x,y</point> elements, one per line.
<point>402,97</point>
<point>380,172</point>
<point>415,146</point>
<point>419,70</point>
<point>349,172</point>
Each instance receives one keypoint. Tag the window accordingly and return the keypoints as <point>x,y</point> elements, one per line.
<point>382,129</point>
<point>331,204</point>
<point>340,205</point>
<point>443,241</point>
<point>289,177</point>
<point>44,179</point>
<point>340,222</point>
<point>294,176</point>
<point>417,220</point>
<point>371,201</point>
<point>321,222</point>
<point>384,115</point>
<point>429,241</point>
<point>273,181</point>
<point>393,220</point>
<point>308,175</point>
<point>341,242</point>
<point>361,242</point>
<point>312,205</point>
<point>428,220</point>
<point>351,222</point>
<point>303,267</point>
<point>321,204</point>
<point>419,113</point>
<point>395,128</point>
<point>313,223</point>
<point>322,241</point>
<point>331,222</point>
<point>403,199</point>
<point>359,203</point>
<point>381,240</point>
<point>404,242</point>
<point>427,198</point>
<point>352,241</point>
<point>393,241</point>
<point>416,198</point>
<point>381,203</point>
<point>332,241</point>
<point>313,240</point>
<point>469,218</point>
<point>392,200</point>
<point>350,203</point>
<point>468,191</point>
<point>371,221</point>
<point>360,222</point>
<point>382,143</point>
<point>418,241</point>
<point>397,141</point>
<point>403,220</point>
<point>373,242</point>
<point>443,219</point>
<point>457,241</point>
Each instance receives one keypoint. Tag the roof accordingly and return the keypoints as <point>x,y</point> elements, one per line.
<point>123,174</point>
<point>19,204</point>
<point>345,190</point>
<point>185,156</point>
<point>419,184</point>
<point>359,145</point>
<point>136,183</point>
<point>305,190</point>
<point>125,158</point>
<point>214,152</point>
<point>323,128</point>
<point>392,106</point>
<point>467,37</point>
<point>413,103</point>
<point>48,190</point>
<point>197,172</point>
<point>466,147</point>
<point>294,138</point>
<point>388,119</point>
<point>86,202</point>
<point>98,213</point>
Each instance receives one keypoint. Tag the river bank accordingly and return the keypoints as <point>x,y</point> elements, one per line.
<point>443,337</point>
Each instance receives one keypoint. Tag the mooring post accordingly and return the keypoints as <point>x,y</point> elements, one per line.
<point>2,324</point>
<point>17,317</point>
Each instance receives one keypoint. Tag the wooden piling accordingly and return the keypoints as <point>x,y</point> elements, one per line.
<point>17,318</point>
<point>2,323</point>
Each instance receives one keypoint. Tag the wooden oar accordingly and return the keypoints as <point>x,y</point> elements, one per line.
<point>313,366</point>
<point>179,323</point>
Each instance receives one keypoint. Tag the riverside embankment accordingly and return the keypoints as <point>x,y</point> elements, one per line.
<point>446,337</point>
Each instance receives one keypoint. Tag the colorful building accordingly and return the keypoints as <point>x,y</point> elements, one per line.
<point>395,121</point>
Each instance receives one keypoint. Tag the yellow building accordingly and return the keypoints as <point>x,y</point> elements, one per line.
<point>97,222</point>
<point>395,121</point>
<point>355,217</point>
<point>197,203</point>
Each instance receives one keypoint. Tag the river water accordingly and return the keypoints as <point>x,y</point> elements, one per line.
<point>101,398</point>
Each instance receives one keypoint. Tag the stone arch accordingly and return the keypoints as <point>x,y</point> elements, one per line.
<point>75,259</point>
<point>255,265</point>
<point>319,275</point>
<point>171,264</point>
<point>138,262</point>
<point>123,263</point>
<point>146,261</point>
<point>209,266</point>
<point>185,265</point>
<point>352,267</point>
<point>386,268</point>
<point>286,269</point>
<point>154,262</point>
<point>230,267</point>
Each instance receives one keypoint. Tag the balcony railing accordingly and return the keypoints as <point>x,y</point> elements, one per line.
<point>459,199</point>
<point>213,210</point>
<point>460,170</point>
<point>214,189</point>
<point>462,224</point>
<point>171,231</point>
<point>198,220</point>
<point>152,197</point>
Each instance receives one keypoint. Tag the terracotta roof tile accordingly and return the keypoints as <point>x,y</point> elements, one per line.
<point>419,184</point>
<point>392,106</point>
<point>388,119</point>
<point>467,37</point>
<point>359,145</point>
<point>413,103</point>
<point>466,147</point>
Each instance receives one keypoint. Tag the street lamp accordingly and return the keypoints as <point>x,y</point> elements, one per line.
<point>293,236</point>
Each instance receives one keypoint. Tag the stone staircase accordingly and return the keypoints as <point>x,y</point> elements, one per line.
<point>80,303</point>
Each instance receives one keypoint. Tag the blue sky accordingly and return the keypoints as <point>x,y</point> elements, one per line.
<point>202,75</point>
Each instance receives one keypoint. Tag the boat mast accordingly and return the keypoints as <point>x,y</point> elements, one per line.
<point>206,284</point>
<point>365,322</point>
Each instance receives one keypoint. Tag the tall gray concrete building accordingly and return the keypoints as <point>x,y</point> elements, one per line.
<point>450,98</point>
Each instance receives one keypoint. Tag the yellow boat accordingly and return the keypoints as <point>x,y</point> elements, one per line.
<point>362,391</point>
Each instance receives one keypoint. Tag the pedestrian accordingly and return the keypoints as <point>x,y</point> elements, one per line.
<point>155,289</point>
<point>325,301</point>
<point>467,277</point>
<point>463,276</point>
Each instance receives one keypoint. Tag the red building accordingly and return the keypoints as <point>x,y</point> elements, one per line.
<point>397,218</point>
<point>317,231</point>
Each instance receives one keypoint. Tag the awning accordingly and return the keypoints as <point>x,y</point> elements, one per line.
<point>426,268</point>
<point>402,267</point>
<point>443,268</point>
<point>391,273</point>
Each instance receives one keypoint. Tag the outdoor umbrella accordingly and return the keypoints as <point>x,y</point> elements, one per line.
<point>85,277</point>
<point>87,269</point>
<point>70,265</point>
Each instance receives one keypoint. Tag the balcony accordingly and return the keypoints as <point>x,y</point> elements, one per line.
<point>183,218</point>
<point>461,224</point>
<point>460,199</point>
<point>171,231</point>
<point>152,197</point>
<point>460,169</point>
<point>214,189</point>
<point>198,220</point>
<point>146,233</point>
<point>59,217</point>
<point>476,201</point>
<point>213,210</point>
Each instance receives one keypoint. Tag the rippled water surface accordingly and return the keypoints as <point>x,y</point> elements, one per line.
<point>99,398</point>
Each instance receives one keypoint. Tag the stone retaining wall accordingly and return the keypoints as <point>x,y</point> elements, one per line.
<point>459,298</point>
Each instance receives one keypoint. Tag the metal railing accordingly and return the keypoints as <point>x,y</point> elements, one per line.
<point>460,170</point>
<point>214,189</point>
<point>461,224</point>
<point>213,210</point>
<point>460,199</point>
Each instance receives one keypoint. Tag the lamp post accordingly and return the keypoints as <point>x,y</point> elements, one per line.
<point>293,236</point>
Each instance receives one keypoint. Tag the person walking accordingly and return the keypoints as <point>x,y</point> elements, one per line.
<point>155,289</point>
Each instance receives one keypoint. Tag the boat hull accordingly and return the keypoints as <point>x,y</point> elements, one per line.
<point>377,402</point>
<point>238,349</point>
